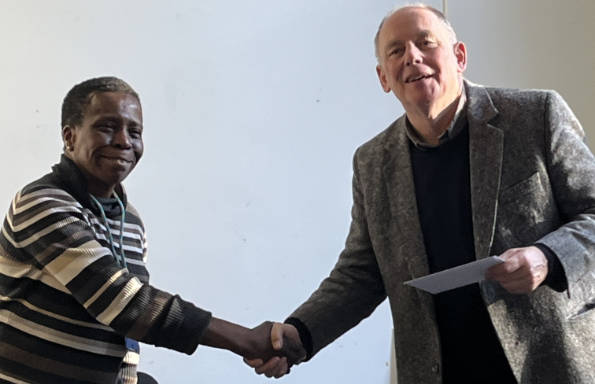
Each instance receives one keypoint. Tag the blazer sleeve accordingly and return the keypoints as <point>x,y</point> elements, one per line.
<point>354,287</point>
<point>571,168</point>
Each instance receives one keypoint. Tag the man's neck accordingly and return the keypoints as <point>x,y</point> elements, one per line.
<point>430,126</point>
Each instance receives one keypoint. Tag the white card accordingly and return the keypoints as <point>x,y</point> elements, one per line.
<point>455,277</point>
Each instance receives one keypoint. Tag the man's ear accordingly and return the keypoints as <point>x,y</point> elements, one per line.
<point>460,51</point>
<point>382,78</point>
<point>68,137</point>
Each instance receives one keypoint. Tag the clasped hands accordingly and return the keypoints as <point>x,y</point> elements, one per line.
<point>273,349</point>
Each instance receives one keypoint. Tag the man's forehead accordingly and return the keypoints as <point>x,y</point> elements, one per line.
<point>410,23</point>
<point>419,35</point>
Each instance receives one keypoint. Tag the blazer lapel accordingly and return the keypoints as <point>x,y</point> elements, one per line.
<point>400,188</point>
<point>485,161</point>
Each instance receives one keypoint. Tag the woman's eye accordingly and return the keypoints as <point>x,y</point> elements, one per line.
<point>136,133</point>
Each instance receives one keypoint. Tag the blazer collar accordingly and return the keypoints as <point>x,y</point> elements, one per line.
<point>398,176</point>
<point>486,145</point>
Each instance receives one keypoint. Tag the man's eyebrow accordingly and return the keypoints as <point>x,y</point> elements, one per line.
<point>425,34</point>
<point>392,44</point>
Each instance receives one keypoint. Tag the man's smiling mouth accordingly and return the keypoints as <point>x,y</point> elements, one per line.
<point>412,79</point>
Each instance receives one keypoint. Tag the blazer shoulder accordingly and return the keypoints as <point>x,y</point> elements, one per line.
<point>373,148</point>
<point>520,98</point>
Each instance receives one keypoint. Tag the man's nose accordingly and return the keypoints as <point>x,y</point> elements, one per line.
<point>412,55</point>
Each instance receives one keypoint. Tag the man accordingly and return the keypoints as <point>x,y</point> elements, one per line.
<point>75,297</point>
<point>466,173</point>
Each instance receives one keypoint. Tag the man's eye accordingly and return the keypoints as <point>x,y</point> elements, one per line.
<point>396,51</point>
<point>429,43</point>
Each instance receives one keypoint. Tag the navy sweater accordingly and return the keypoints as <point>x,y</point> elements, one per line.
<point>471,351</point>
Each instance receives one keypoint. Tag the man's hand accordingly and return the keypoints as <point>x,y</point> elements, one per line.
<point>287,347</point>
<point>523,270</point>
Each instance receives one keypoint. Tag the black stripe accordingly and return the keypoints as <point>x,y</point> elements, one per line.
<point>63,326</point>
<point>43,296</point>
<point>47,349</point>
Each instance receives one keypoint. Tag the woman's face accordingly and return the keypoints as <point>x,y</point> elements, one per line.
<point>108,142</point>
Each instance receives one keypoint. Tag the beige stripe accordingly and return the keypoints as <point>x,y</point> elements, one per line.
<point>41,215</point>
<point>43,199</point>
<point>131,231</point>
<point>18,270</point>
<point>120,301</point>
<point>73,260</point>
<point>132,358</point>
<point>36,236</point>
<point>55,315</point>
<point>105,285</point>
<point>127,248</point>
<point>43,193</point>
<point>135,262</point>
<point>58,337</point>
<point>11,379</point>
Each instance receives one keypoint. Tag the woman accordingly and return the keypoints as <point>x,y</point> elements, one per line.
<point>75,298</point>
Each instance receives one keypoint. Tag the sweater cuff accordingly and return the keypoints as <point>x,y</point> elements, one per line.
<point>192,328</point>
<point>305,335</point>
<point>556,278</point>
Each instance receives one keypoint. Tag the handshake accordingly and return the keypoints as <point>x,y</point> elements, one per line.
<point>274,349</point>
<point>270,348</point>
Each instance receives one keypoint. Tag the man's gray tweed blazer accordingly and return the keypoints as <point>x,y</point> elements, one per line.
<point>532,180</point>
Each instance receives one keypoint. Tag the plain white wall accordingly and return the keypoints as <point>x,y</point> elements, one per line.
<point>252,113</point>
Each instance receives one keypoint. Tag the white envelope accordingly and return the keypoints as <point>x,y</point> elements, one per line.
<point>455,277</point>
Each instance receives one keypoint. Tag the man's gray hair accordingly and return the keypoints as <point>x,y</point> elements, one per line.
<point>440,15</point>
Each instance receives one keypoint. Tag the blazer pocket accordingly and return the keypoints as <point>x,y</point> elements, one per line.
<point>515,192</point>
<point>525,211</point>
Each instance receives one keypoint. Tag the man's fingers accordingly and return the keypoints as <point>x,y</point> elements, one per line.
<point>510,265</point>
<point>517,286</point>
<point>523,270</point>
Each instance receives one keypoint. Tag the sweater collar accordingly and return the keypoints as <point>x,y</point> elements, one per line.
<point>75,182</point>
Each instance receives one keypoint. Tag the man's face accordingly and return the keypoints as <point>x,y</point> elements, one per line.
<point>418,61</point>
<point>108,142</point>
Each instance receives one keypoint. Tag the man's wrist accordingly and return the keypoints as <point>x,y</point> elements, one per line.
<point>556,278</point>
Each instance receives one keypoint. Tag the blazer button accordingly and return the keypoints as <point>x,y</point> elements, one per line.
<point>436,368</point>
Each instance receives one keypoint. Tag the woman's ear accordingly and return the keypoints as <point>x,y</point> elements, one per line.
<point>68,138</point>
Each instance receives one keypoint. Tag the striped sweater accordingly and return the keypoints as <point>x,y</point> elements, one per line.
<point>66,304</point>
